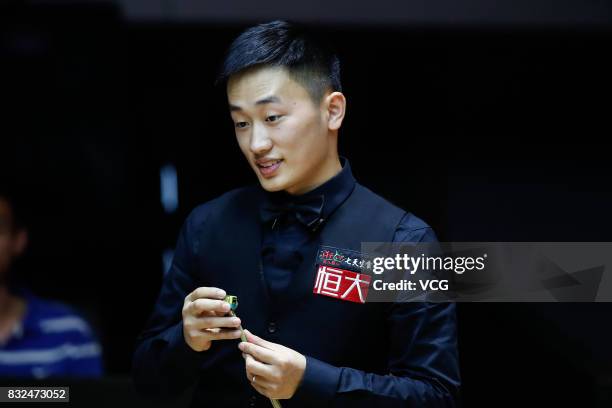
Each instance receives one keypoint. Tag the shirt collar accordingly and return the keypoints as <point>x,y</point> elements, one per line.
<point>335,190</point>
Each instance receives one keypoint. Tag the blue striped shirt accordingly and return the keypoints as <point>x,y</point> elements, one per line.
<point>50,341</point>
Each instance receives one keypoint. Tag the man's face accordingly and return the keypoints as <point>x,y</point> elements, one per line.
<point>280,131</point>
<point>12,241</point>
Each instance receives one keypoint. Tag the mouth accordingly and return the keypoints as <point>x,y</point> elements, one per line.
<point>268,168</point>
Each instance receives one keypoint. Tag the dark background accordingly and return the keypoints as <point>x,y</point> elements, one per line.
<point>490,130</point>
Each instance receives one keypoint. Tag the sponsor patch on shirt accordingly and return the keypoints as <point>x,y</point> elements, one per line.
<point>339,274</point>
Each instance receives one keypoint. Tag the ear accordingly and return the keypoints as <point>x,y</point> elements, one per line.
<point>335,103</point>
<point>21,242</point>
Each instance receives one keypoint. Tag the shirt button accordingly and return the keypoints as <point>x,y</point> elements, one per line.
<point>271,327</point>
<point>252,401</point>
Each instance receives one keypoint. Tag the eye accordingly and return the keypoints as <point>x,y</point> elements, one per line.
<point>273,118</point>
<point>241,125</point>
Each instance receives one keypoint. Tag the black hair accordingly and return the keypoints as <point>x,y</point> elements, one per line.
<point>309,59</point>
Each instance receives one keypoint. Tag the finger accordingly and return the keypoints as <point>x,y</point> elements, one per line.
<point>262,390</point>
<point>251,338</point>
<point>206,292</point>
<point>214,322</point>
<point>257,368</point>
<point>201,305</point>
<point>259,381</point>
<point>260,353</point>
<point>218,314</point>
<point>222,334</point>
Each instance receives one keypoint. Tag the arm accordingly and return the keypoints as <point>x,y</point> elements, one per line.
<point>164,364</point>
<point>423,365</point>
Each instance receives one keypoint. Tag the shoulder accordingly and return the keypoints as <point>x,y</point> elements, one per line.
<point>410,228</point>
<point>376,205</point>
<point>201,213</point>
<point>413,229</point>
<point>51,316</point>
<point>48,308</point>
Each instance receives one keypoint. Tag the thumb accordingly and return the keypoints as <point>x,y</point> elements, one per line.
<point>251,338</point>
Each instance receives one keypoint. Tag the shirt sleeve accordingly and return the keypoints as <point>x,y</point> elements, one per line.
<point>423,357</point>
<point>85,353</point>
<point>163,363</point>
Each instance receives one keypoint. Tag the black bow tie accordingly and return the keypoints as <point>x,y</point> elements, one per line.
<point>306,210</point>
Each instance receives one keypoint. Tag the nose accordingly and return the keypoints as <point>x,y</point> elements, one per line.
<point>260,142</point>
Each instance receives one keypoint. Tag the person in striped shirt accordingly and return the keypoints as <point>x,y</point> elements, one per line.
<point>39,338</point>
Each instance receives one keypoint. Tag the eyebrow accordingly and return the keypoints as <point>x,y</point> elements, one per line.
<point>263,101</point>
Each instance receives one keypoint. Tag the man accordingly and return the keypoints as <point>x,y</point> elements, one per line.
<point>262,244</point>
<point>38,338</point>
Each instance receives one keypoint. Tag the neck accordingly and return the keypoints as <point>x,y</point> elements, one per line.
<point>328,170</point>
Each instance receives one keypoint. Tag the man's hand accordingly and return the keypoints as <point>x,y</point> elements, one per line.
<point>273,370</point>
<point>205,320</point>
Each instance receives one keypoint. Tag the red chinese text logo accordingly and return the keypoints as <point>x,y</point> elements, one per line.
<point>342,284</point>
